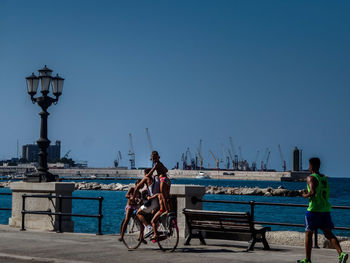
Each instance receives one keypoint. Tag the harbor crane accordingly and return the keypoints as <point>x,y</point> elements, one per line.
<point>215,159</point>
<point>66,155</point>
<point>188,156</point>
<point>191,164</point>
<point>262,160</point>
<point>231,145</point>
<point>183,160</point>
<point>131,153</point>
<point>267,160</point>
<point>117,159</point>
<point>234,158</point>
<point>240,153</point>
<point>199,153</point>
<point>188,162</point>
<point>226,158</point>
<point>255,160</point>
<point>284,165</point>
<point>200,159</point>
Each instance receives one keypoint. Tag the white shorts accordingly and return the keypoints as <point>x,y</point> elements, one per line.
<point>149,209</point>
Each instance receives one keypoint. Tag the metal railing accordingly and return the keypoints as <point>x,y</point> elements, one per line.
<point>252,205</point>
<point>60,213</point>
<point>5,208</point>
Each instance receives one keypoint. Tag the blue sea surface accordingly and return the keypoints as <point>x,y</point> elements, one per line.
<point>114,204</point>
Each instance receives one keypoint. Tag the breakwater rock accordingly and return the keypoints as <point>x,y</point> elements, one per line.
<point>280,191</point>
<point>217,190</point>
<point>98,186</point>
<point>269,191</point>
<point>5,184</point>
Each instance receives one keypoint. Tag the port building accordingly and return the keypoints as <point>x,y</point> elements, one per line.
<point>30,152</point>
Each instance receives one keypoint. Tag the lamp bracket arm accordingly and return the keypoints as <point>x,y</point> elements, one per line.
<point>33,99</point>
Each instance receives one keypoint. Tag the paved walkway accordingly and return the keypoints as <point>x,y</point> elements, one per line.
<point>24,246</point>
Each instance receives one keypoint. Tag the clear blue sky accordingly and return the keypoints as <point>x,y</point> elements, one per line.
<point>263,72</point>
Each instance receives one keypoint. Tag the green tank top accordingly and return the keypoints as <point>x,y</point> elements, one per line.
<point>319,202</point>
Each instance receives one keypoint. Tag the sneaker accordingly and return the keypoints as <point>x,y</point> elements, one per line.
<point>303,261</point>
<point>343,257</point>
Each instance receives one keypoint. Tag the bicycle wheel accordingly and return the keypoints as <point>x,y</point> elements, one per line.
<point>168,234</point>
<point>132,235</point>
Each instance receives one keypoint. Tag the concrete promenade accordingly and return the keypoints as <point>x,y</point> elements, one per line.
<point>24,246</point>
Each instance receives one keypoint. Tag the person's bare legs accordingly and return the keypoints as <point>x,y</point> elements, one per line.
<point>308,244</point>
<point>154,223</point>
<point>141,217</point>
<point>331,237</point>
<point>167,204</point>
<point>126,221</point>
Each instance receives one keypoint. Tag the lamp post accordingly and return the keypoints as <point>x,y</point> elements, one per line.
<point>44,101</point>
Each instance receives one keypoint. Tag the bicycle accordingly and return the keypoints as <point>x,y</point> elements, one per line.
<point>168,233</point>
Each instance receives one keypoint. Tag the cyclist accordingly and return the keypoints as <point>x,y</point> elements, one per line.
<point>153,187</point>
<point>134,197</point>
<point>318,213</point>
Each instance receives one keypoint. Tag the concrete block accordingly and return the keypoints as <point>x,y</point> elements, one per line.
<point>184,194</point>
<point>41,222</point>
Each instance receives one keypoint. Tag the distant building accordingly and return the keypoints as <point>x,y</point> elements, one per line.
<point>296,160</point>
<point>30,152</point>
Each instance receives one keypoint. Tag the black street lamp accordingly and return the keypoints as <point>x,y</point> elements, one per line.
<point>44,101</point>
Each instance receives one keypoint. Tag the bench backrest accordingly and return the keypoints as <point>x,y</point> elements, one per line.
<point>219,221</point>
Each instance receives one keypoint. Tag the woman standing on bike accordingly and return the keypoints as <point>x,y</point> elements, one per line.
<point>164,195</point>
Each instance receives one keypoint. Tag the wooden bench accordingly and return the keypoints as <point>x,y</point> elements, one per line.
<point>223,222</point>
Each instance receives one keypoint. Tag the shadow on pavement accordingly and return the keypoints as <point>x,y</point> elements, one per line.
<point>204,250</point>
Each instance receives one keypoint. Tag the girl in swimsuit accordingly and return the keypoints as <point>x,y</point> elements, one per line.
<point>132,205</point>
<point>164,195</point>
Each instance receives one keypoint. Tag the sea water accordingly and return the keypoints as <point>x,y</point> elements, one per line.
<point>113,207</point>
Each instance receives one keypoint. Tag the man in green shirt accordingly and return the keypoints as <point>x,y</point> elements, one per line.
<point>318,214</point>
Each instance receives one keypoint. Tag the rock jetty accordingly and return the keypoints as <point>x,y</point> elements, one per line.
<point>269,191</point>
<point>98,186</point>
<point>280,191</point>
<point>217,190</point>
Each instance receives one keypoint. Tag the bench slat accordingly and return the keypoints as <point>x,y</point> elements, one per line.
<point>213,213</point>
<point>228,224</point>
<point>218,219</point>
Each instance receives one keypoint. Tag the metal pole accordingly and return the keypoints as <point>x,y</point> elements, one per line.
<point>23,210</point>
<point>43,143</point>
<point>60,214</point>
<point>100,199</point>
